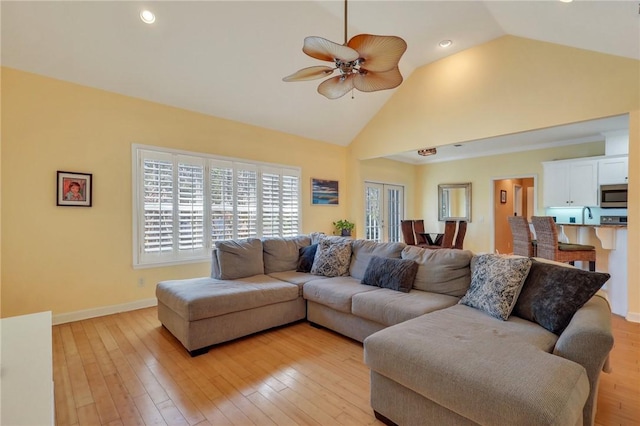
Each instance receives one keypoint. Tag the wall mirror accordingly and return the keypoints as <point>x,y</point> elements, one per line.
<point>454,201</point>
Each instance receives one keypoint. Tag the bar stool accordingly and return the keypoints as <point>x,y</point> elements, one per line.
<point>523,245</point>
<point>549,248</point>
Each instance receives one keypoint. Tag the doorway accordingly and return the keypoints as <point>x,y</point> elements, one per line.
<point>513,196</point>
<point>384,209</point>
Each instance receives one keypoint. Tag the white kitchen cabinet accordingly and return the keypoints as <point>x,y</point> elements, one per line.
<point>613,171</point>
<point>570,183</point>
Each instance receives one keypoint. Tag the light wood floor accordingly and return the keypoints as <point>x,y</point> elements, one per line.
<point>619,391</point>
<point>126,369</point>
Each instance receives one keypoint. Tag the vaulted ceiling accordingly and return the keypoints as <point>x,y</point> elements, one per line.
<point>228,58</point>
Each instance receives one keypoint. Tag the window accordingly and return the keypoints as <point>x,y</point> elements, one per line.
<point>185,202</point>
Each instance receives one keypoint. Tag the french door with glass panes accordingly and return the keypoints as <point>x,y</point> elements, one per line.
<point>384,209</point>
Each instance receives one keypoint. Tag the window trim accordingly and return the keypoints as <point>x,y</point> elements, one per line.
<point>172,258</point>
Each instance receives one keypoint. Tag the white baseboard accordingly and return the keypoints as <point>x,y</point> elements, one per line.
<point>633,316</point>
<point>102,311</point>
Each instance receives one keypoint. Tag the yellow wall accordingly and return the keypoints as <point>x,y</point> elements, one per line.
<point>480,172</point>
<point>505,86</point>
<point>68,259</point>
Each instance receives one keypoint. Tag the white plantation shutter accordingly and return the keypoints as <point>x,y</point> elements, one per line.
<point>157,181</point>
<point>290,203</point>
<point>185,202</point>
<point>222,200</point>
<point>270,203</point>
<point>246,201</point>
<point>190,204</point>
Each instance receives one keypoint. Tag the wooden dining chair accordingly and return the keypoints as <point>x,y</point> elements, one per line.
<point>406,226</point>
<point>523,245</point>
<point>462,231</point>
<point>418,230</point>
<point>447,238</point>
<point>549,248</point>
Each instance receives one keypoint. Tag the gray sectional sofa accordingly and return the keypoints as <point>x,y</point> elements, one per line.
<point>432,359</point>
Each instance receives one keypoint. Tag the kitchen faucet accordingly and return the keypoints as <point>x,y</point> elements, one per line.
<point>587,209</point>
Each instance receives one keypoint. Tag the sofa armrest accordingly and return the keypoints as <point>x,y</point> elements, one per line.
<point>587,340</point>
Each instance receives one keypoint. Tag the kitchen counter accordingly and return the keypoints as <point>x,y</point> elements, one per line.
<point>606,233</point>
<point>611,255</point>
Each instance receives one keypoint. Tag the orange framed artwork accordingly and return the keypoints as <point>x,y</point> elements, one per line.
<point>74,189</point>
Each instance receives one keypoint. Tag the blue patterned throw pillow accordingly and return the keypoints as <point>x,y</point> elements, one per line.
<point>496,282</point>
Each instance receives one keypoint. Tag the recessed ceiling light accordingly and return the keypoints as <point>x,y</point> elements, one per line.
<point>566,1</point>
<point>445,43</point>
<point>147,17</point>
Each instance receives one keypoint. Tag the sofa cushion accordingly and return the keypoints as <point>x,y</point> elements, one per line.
<point>496,282</point>
<point>297,278</point>
<point>336,293</point>
<point>332,257</point>
<point>390,307</point>
<point>394,274</point>
<point>281,254</point>
<point>363,250</point>
<point>490,371</point>
<point>552,294</point>
<point>444,271</point>
<point>234,259</point>
<point>199,298</point>
<point>305,258</point>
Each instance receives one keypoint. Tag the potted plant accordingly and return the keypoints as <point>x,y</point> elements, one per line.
<point>345,227</point>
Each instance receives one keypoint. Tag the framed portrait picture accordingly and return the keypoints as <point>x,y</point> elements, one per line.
<point>324,192</point>
<point>503,196</point>
<point>74,189</point>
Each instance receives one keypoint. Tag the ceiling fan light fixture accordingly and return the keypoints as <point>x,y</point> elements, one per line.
<point>425,152</point>
<point>366,62</point>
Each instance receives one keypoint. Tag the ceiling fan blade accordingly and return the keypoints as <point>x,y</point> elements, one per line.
<point>380,53</point>
<point>336,87</point>
<point>374,81</point>
<point>325,50</point>
<point>310,73</point>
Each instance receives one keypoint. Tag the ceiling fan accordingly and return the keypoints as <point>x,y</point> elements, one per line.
<point>366,62</point>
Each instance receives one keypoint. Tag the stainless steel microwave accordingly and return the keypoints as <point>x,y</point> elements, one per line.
<point>613,196</point>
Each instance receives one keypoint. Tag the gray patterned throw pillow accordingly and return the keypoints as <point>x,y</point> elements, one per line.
<point>496,282</point>
<point>333,257</point>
